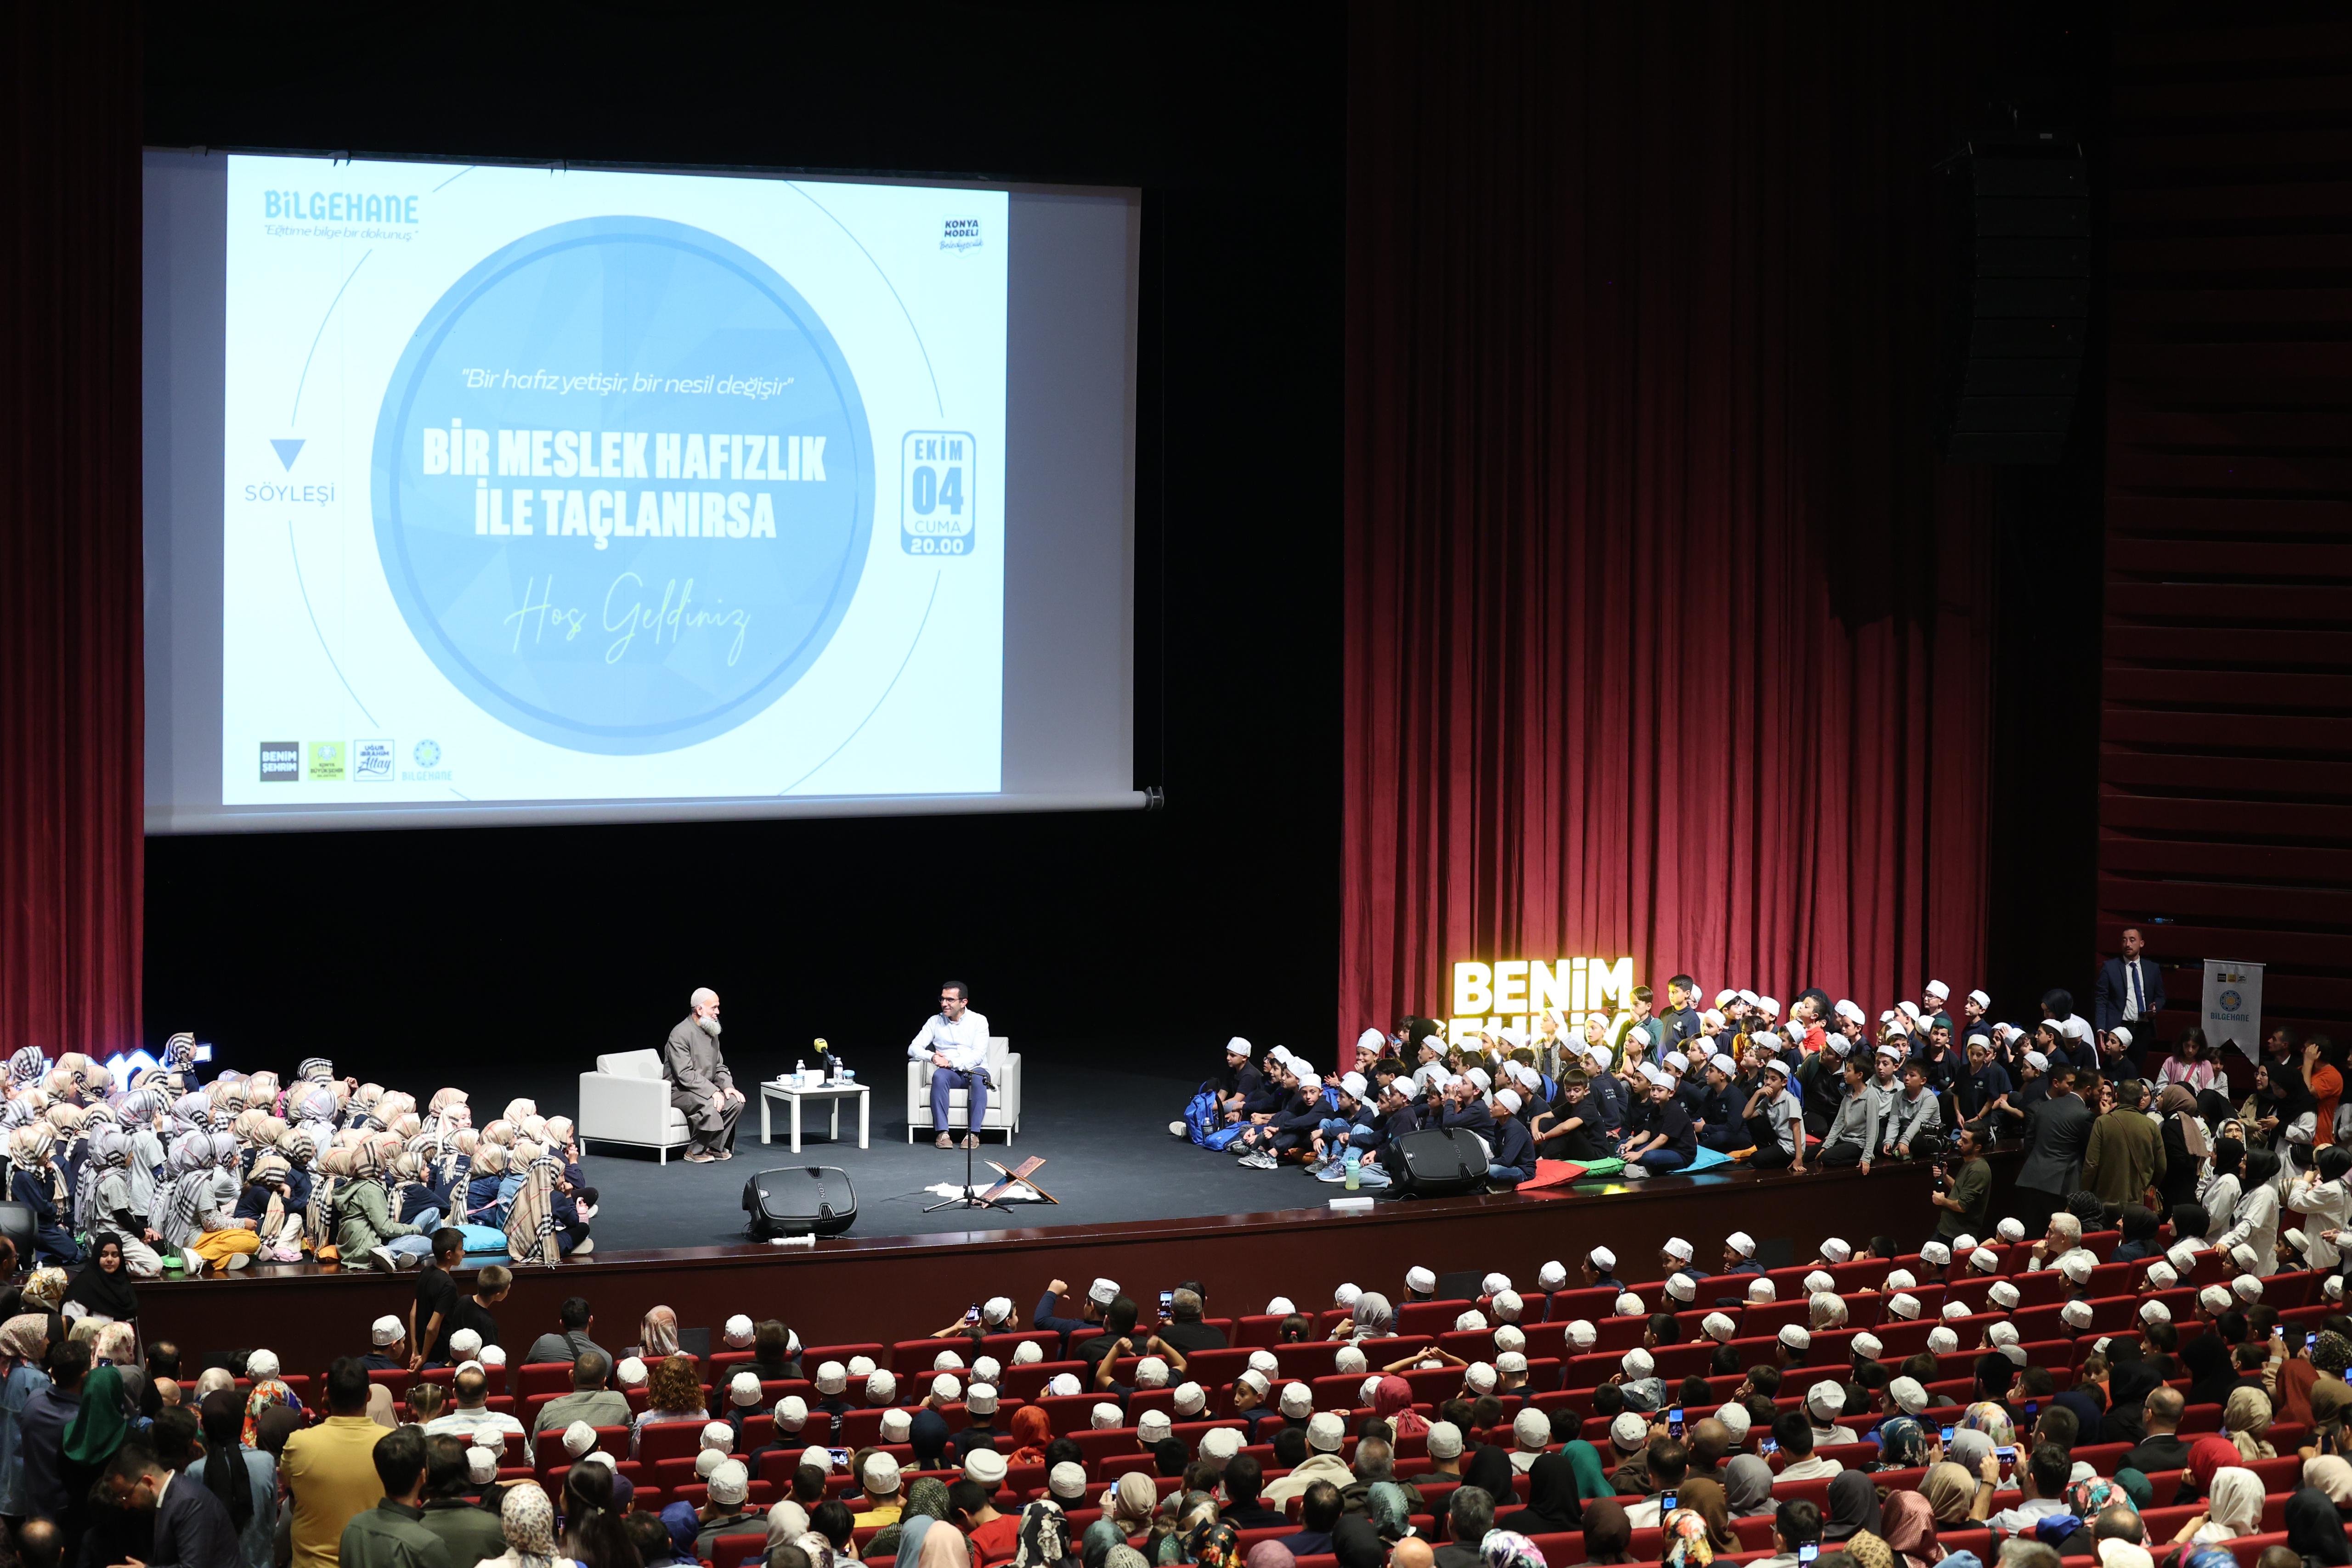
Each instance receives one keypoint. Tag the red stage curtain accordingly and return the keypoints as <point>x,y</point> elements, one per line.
<point>73,719</point>
<point>1666,631</point>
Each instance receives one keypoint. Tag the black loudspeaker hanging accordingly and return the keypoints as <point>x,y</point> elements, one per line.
<point>2019,326</point>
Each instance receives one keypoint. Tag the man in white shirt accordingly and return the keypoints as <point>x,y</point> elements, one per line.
<point>472,1413</point>
<point>955,1041</point>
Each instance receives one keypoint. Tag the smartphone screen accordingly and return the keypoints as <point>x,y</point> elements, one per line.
<point>1674,1426</point>
<point>972,1314</point>
<point>1808,1551</point>
<point>2308,1341</point>
<point>1947,1433</point>
<point>1167,1303</point>
<point>1768,1446</point>
<point>1666,1502</point>
<point>840,1456</point>
<point>2032,1407</point>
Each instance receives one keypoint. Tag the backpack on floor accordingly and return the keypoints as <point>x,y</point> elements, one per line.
<point>1200,1119</point>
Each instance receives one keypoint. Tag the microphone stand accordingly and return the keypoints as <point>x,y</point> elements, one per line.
<point>968,1198</point>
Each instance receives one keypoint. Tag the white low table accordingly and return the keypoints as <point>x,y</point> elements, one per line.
<point>793,1094</point>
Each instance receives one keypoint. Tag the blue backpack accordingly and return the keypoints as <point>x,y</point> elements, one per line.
<point>1202,1121</point>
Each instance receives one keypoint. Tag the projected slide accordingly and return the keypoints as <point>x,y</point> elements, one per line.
<point>588,485</point>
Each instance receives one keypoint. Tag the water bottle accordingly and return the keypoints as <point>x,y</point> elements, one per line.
<point>800,1072</point>
<point>1352,1182</point>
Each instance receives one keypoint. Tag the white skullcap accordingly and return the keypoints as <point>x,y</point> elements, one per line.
<point>2151,1313</point>
<point>1063,1384</point>
<point>881,1477</point>
<point>2037,1061</point>
<point>1937,989</point>
<point>1480,1376</point>
<point>1901,1279</point>
<point>464,1344</point>
<point>1736,1420</point>
<point>1902,1304</point>
<point>1820,1283</point>
<point>898,1425</point>
<point>1511,1362</point>
<point>1682,1288</point>
<point>1629,1305</point>
<point>1479,1076</point>
<point>1678,1062</point>
<point>1581,1335</point>
<point>494,1356</point>
<point>981,1399</point>
<point>1942,1340</point>
<point>1985,1260</point>
<point>1762,1290</point>
<point>996,1310</point>
<point>1190,1398</point>
<point>1445,1441</point>
<point>388,1330</point>
<point>1217,1443</point>
<point>945,1388</point>
<point>2215,1299</point>
<point>1980,1000</point>
<point>2016,1353</point>
<point>1326,1432</point>
<point>1867,1346</point>
<point>1719,1327</point>
<point>946,1361</point>
<point>1151,1372</point>
<point>578,1439</point>
<point>1470,1321</point>
<point>631,1373</point>
<point>1493,1284</point>
<point>1237,1046</point>
<point>792,1410</point>
<point>1353,1083</point>
<point>1153,1426</point>
<point>2004,1295</point>
<point>1365,1389</point>
<point>2182,1256</point>
<point>730,1483</point>
<point>1371,1040</point>
<point>1279,1307</point>
<point>861,1366</point>
<point>1348,1359</point>
<point>832,1377</point>
<point>1506,1305</point>
<point>1297,1399</point>
<point>986,1369</point>
<point>1253,1380</point>
<point>2076,1315</point>
<point>1739,1242</point>
<point>1603,1259</point>
<point>2160,1276</point>
<point>744,1389</point>
<point>1963,1244</point>
<point>1280,1053</point>
<point>1264,1362</point>
<point>1345,1297</point>
<point>1955,1310</point>
<point>2331,1287</point>
<point>1826,1400</point>
<point>1836,1250</point>
<point>1637,1362</point>
<point>1509,1336</point>
<point>1909,1395</point>
<point>1678,1249</point>
<point>2247,1288</point>
<point>1629,1431</point>
<point>1796,1336</point>
<point>2077,1265</point>
<point>1105,1417</point>
<point>1420,1280</point>
<point>1656,1076</point>
<point>1846,1009</point>
<point>263,1364</point>
<point>1103,1292</point>
<point>481,1464</point>
<point>1713,1015</point>
<point>719,1435</point>
<point>1769,1004</point>
<point>985,1465</point>
<point>2297,1238</point>
<point>739,1330</point>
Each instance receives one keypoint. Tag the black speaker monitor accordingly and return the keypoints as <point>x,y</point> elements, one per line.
<point>798,1200</point>
<point>1441,1162</point>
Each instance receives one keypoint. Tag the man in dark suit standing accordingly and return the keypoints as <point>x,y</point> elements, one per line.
<point>191,1526</point>
<point>2131,989</point>
<point>2055,1137</point>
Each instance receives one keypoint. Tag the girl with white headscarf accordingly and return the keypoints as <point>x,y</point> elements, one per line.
<point>114,1205</point>
<point>2234,1508</point>
<point>528,1519</point>
<point>187,1218</point>
<point>531,1234</point>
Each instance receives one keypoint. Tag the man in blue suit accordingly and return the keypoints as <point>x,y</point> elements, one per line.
<point>2131,989</point>
<point>191,1526</point>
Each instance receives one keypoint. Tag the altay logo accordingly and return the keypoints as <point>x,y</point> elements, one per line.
<point>281,762</point>
<point>371,761</point>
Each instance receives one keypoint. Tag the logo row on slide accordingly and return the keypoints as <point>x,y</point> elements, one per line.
<point>352,762</point>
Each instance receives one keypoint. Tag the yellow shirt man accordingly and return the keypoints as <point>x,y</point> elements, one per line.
<point>330,1469</point>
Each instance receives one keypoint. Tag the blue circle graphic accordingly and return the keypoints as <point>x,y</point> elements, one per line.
<point>622,485</point>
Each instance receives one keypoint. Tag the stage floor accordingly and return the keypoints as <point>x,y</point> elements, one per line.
<point>1103,1132</point>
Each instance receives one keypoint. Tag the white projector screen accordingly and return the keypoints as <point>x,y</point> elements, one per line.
<point>491,494</point>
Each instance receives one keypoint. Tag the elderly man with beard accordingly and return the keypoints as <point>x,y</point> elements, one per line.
<point>700,1083</point>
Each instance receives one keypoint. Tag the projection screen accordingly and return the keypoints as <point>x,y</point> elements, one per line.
<point>493,494</point>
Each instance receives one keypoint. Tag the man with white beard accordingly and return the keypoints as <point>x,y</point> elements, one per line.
<point>700,1083</point>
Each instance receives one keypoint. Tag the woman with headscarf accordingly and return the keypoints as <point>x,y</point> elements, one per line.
<point>947,1549</point>
<point>1706,1499</point>
<point>1746,1487</point>
<point>102,1287</point>
<point>2128,1387</point>
<point>532,1235</point>
<point>2259,1210</point>
<point>1044,1538</point>
<point>528,1518</point>
<point>1356,1544</point>
<point>267,1203</point>
<point>1908,1521</point>
<point>244,1478</point>
<point>1388,1505</point>
<point>1130,1502</point>
<point>1509,1548</point>
<point>1216,1545</point>
<point>1553,1506</point>
<point>2315,1530</point>
<point>267,1394</point>
<point>187,1220</point>
<point>2331,1474</point>
<point>101,1424</point>
<point>1607,1534</point>
<point>2245,1418</point>
<point>2206,1360</point>
<point>925,1504</point>
<point>1392,1403</point>
<point>23,1343</point>
<point>1902,1444</point>
<point>33,1182</point>
<point>657,1333</point>
<point>365,1231</point>
<point>2233,1509</point>
<point>1490,1468</point>
<point>1096,1543</point>
<point>2188,1147</point>
<point>1854,1506</point>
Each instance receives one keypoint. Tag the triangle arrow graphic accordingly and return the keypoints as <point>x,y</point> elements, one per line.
<point>288,450</point>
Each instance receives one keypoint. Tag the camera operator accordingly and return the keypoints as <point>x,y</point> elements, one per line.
<point>1963,1184</point>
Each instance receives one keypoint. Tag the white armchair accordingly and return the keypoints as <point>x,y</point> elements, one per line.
<point>1003,1098</point>
<point>626,1100</point>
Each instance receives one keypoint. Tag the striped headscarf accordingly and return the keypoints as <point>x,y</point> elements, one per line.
<point>530,1218</point>
<point>179,1053</point>
<point>315,1070</point>
<point>186,1196</point>
<point>28,1065</point>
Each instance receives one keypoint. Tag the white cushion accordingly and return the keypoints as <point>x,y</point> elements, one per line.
<point>631,1063</point>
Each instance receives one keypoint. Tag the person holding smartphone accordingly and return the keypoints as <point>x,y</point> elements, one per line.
<point>1796,1535</point>
<point>2040,1483</point>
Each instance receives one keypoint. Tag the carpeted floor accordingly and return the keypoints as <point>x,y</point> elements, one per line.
<point>1103,1132</point>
